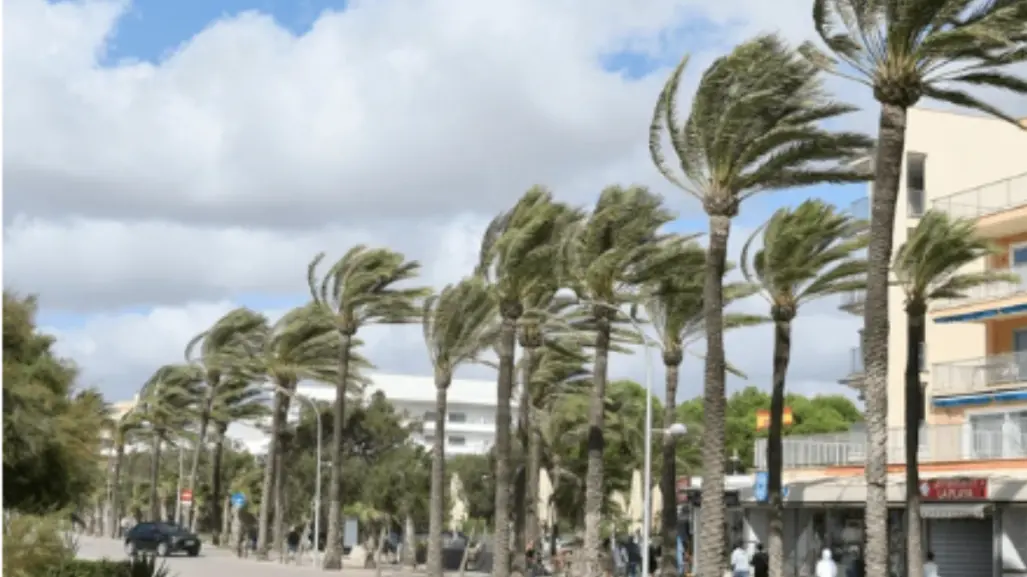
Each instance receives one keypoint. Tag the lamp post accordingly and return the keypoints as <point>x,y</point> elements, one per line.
<point>317,486</point>
<point>647,476</point>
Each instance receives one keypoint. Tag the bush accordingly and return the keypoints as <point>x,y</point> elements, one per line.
<point>135,567</point>
<point>34,545</point>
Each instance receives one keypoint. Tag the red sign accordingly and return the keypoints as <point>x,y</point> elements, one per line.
<point>955,489</point>
<point>186,496</point>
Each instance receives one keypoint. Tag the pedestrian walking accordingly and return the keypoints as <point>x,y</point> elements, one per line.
<point>760,562</point>
<point>740,562</point>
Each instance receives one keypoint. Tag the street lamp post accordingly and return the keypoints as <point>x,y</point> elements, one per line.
<point>647,476</point>
<point>317,486</point>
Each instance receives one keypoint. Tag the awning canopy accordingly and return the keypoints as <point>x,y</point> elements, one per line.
<point>982,314</point>
<point>955,510</point>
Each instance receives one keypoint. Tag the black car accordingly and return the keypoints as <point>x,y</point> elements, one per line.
<point>162,539</point>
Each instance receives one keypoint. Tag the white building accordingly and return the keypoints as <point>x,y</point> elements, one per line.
<point>470,423</point>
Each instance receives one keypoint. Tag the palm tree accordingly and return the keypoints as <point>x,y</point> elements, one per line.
<point>928,267</point>
<point>905,51</point>
<point>616,248</point>
<point>753,127</point>
<point>216,352</point>
<point>674,305</point>
<point>301,345</point>
<point>459,323</point>
<point>167,403</point>
<point>237,400</point>
<point>807,254</point>
<point>122,431</point>
<point>519,250</point>
<point>358,290</point>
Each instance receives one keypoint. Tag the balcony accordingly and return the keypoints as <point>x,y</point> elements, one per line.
<point>860,208</point>
<point>938,443</point>
<point>993,373</point>
<point>987,203</point>
<point>987,293</point>
<point>855,374</point>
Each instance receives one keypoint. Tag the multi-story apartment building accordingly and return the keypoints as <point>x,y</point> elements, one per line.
<point>470,419</point>
<point>973,448</point>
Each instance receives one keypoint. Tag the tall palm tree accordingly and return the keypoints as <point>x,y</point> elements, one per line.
<point>237,401</point>
<point>216,351</point>
<point>928,268</point>
<point>674,306</point>
<point>459,323</point>
<point>753,127</point>
<point>301,345</point>
<point>122,432</point>
<point>358,290</point>
<point>615,249</point>
<point>167,406</point>
<point>904,51</point>
<point>808,253</point>
<point>520,249</point>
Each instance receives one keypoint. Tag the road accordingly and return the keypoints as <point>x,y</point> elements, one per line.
<point>215,562</point>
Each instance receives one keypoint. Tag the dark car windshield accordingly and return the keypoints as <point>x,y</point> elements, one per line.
<point>171,529</point>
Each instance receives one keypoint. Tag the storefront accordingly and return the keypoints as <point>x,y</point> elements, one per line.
<point>959,526</point>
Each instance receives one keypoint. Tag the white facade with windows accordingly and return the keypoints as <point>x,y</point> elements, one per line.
<point>471,415</point>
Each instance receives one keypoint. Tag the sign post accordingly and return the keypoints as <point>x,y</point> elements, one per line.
<point>186,497</point>
<point>238,500</point>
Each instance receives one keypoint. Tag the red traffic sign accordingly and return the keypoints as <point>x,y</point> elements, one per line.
<point>954,489</point>
<point>186,496</point>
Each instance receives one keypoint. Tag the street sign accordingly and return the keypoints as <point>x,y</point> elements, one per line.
<point>761,487</point>
<point>954,489</point>
<point>238,500</point>
<point>763,418</point>
<point>186,497</point>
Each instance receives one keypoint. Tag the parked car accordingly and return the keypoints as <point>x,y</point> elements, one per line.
<point>161,538</point>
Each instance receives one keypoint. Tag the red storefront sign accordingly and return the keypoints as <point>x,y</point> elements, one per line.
<point>955,489</point>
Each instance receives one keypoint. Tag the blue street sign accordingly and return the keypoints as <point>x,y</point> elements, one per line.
<point>760,486</point>
<point>238,500</point>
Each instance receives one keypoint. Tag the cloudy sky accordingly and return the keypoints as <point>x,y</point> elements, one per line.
<point>167,161</point>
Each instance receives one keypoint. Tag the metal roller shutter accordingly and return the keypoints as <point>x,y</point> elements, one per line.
<point>962,547</point>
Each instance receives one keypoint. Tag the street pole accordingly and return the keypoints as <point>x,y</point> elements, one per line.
<point>317,486</point>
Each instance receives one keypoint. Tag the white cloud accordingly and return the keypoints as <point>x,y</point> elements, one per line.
<point>220,170</point>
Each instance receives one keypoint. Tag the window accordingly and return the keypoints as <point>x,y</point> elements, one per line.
<point>457,417</point>
<point>429,416</point>
<point>458,441</point>
<point>915,183</point>
<point>999,435</point>
<point>429,439</point>
<point>1017,255</point>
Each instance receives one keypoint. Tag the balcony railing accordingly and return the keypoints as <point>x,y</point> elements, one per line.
<point>855,365</point>
<point>938,443</point>
<point>982,374</point>
<point>860,208</point>
<point>990,291</point>
<point>985,199</point>
<point>853,301</point>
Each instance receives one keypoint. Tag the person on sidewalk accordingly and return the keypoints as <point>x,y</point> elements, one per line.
<point>739,562</point>
<point>826,567</point>
<point>760,562</point>
<point>930,567</point>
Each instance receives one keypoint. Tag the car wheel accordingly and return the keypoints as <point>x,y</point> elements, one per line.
<point>163,550</point>
<point>130,548</point>
<point>193,552</point>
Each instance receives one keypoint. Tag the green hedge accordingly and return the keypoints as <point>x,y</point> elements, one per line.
<point>136,567</point>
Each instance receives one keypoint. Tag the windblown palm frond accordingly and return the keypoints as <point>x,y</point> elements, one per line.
<point>754,127</point>
<point>940,49</point>
<point>807,253</point>
<point>458,324</point>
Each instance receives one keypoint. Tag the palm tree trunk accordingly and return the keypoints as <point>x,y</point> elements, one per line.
<point>712,554</point>
<point>437,503</point>
<point>333,547</point>
<point>888,167</point>
<point>533,529</point>
<point>914,411</point>
<point>215,515</point>
<point>410,536</point>
<point>194,469</point>
<point>225,526</point>
<point>594,489</point>
<point>114,522</point>
<point>155,504</point>
<point>668,474</point>
<point>504,391</point>
<point>775,465</point>
<point>278,531</point>
<point>267,486</point>
<point>522,492</point>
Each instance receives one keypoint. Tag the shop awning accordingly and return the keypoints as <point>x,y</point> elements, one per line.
<point>955,510</point>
